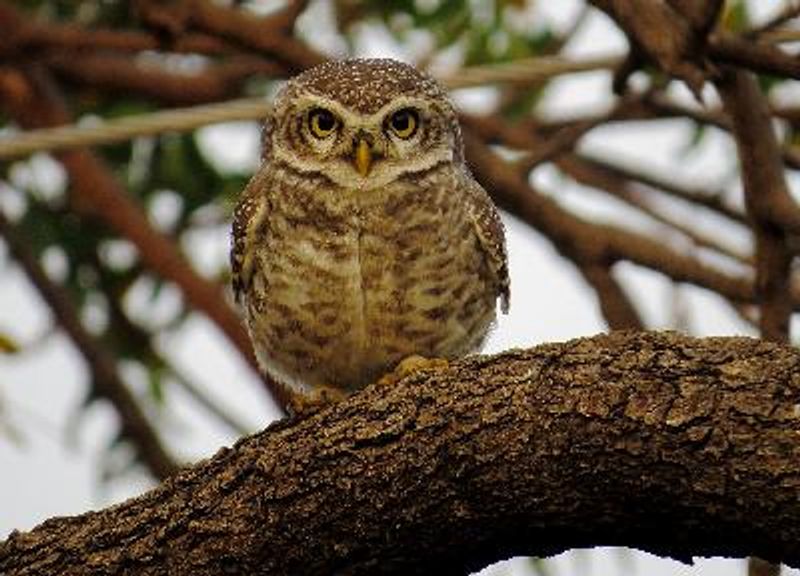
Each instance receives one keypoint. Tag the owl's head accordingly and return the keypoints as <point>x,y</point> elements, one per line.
<point>363,123</point>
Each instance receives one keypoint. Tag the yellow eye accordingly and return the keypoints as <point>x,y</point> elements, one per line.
<point>322,122</point>
<point>404,122</point>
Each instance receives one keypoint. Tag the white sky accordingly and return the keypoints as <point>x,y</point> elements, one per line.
<point>52,468</point>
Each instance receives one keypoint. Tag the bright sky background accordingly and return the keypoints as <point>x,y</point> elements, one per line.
<point>52,466</point>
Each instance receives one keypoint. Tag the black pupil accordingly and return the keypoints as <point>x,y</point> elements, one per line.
<point>401,121</point>
<point>325,121</point>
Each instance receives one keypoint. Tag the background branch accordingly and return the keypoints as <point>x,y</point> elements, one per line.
<point>774,213</point>
<point>96,193</point>
<point>105,377</point>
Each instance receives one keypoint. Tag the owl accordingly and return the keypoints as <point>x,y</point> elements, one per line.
<point>363,239</point>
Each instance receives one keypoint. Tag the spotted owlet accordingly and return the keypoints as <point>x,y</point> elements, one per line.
<point>363,239</point>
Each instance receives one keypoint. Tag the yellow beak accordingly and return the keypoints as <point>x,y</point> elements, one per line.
<point>363,157</point>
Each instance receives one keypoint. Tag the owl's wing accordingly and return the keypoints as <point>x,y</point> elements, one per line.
<point>491,235</point>
<point>248,215</point>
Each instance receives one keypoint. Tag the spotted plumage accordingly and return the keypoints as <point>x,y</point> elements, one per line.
<point>363,239</point>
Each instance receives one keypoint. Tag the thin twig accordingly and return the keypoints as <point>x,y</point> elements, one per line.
<point>124,328</point>
<point>781,35</point>
<point>114,74</point>
<point>708,199</point>
<point>526,71</point>
<point>553,146</point>
<point>789,12</point>
<point>624,189</point>
<point>123,129</point>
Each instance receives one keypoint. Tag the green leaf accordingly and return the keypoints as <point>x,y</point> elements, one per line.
<point>155,379</point>
<point>699,132</point>
<point>8,345</point>
<point>736,16</point>
<point>539,567</point>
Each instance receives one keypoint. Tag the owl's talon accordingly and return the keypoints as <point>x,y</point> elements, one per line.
<point>304,405</point>
<point>412,364</point>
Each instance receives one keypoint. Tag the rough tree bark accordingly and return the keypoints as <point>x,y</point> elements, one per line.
<point>674,445</point>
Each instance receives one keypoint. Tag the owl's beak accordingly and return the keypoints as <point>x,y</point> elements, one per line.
<point>363,156</point>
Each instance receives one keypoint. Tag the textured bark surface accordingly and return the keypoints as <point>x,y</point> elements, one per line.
<point>673,445</point>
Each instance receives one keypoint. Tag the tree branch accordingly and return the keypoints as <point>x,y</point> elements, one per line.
<point>756,56</point>
<point>24,37</point>
<point>124,75</point>
<point>662,32</point>
<point>102,365</point>
<point>94,191</point>
<point>610,181</point>
<point>710,199</point>
<point>774,213</point>
<point>675,35</point>
<point>656,441</point>
<point>585,242</point>
<point>617,308</point>
<point>269,35</point>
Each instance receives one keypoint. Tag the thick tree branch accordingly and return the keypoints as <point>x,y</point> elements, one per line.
<point>674,445</point>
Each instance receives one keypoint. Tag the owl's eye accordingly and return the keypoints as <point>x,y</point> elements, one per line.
<point>404,122</point>
<point>322,122</point>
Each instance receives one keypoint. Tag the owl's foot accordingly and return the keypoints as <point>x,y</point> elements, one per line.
<point>304,405</point>
<point>411,364</point>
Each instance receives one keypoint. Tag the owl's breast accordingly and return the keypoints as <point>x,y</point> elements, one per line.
<point>304,306</point>
<point>427,286</point>
<point>350,282</point>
